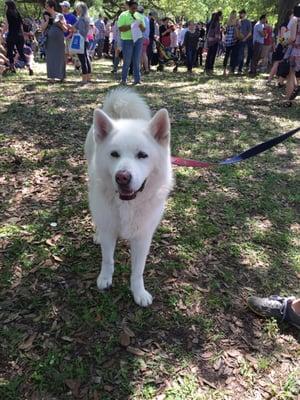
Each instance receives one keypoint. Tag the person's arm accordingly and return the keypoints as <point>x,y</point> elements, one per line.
<point>45,23</point>
<point>293,33</point>
<point>249,34</point>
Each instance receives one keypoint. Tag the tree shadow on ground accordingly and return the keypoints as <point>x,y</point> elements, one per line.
<point>227,233</point>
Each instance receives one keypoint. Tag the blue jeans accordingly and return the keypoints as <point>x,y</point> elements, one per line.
<point>241,55</point>
<point>191,55</point>
<point>132,53</point>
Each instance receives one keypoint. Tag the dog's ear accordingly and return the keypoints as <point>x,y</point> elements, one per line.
<point>103,125</point>
<point>160,127</point>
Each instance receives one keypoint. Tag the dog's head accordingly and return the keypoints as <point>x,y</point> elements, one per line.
<point>129,150</point>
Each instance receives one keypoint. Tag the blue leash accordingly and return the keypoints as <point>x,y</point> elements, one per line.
<point>253,151</point>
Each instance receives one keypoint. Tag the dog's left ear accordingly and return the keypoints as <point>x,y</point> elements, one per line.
<point>103,125</point>
<point>160,127</point>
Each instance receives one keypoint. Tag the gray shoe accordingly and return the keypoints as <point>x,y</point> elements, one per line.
<point>276,307</point>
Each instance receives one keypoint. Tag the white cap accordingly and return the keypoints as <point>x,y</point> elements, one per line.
<point>65,4</point>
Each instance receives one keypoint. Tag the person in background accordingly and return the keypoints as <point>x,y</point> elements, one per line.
<point>181,33</point>
<point>231,46</point>
<point>293,55</point>
<point>54,26</point>
<point>106,36</point>
<point>70,20</point>
<point>201,43</point>
<point>245,29</point>
<point>165,33</point>
<point>100,25</point>
<point>152,35</point>
<point>117,47</point>
<point>144,59</point>
<point>131,50</point>
<point>267,47</point>
<point>82,26</point>
<point>174,40</point>
<point>213,39</point>
<point>190,45</point>
<point>278,54</point>
<point>258,43</point>
<point>15,36</point>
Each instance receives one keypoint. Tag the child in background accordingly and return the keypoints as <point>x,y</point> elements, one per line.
<point>174,39</point>
<point>190,45</point>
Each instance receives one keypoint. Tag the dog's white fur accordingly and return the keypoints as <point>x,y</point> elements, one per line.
<point>125,127</point>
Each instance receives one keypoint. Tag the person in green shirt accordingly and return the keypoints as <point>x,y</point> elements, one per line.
<point>131,46</point>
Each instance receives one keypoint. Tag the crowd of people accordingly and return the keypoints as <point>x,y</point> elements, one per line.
<point>143,40</point>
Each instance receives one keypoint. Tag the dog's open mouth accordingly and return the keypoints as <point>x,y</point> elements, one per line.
<point>126,194</point>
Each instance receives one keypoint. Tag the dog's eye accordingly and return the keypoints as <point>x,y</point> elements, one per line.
<point>141,154</point>
<point>115,154</point>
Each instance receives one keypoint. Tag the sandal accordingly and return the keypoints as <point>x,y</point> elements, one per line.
<point>295,93</point>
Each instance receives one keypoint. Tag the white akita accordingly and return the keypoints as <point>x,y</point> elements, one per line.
<point>130,177</point>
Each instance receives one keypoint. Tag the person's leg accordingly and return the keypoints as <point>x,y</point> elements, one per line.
<point>189,64</point>
<point>10,43</point>
<point>214,54</point>
<point>88,62</point>
<point>240,55</point>
<point>225,61</point>
<point>234,57</point>
<point>273,70</point>
<point>127,50</point>
<point>84,70</point>
<point>208,63</point>
<point>200,52</point>
<point>249,45</point>
<point>291,83</point>
<point>256,57</point>
<point>136,60</point>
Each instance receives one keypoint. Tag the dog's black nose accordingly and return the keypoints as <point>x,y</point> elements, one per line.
<point>123,178</point>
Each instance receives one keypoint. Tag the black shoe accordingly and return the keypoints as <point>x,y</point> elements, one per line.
<point>276,307</point>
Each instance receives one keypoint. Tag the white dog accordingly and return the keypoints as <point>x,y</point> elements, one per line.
<point>130,177</point>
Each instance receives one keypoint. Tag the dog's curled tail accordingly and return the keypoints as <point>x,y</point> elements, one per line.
<point>127,104</point>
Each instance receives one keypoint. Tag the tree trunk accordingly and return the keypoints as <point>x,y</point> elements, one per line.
<point>283,7</point>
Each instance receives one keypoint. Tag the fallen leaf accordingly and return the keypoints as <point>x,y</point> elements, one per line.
<point>27,344</point>
<point>124,339</point>
<point>73,385</point>
<point>135,351</point>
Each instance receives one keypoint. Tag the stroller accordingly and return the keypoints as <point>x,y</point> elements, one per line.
<point>165,57</point>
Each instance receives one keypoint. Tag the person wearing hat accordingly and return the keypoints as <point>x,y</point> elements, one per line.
<point>131,49</point>
<point>70,20</point>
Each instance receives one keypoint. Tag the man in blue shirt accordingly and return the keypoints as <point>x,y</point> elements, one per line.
<point>245,28</point>
<point>258,43</point>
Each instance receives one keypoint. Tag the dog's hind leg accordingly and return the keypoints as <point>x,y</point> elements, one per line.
<point>108,244</point>
<point>139,251</point>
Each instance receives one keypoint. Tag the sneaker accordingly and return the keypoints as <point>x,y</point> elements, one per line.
<point>277,307</point>
<point>123,83</point>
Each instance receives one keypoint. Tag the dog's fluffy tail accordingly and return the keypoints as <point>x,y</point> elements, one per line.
<point>127,104</point>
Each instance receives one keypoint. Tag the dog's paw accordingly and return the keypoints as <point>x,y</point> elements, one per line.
<point>104,282</point>
<point>142,298</point>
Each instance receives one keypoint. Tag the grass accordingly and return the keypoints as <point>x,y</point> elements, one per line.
<point>227,233</point>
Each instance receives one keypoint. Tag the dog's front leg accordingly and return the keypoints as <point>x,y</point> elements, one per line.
<point>108,244</point>
<point>139,251</point>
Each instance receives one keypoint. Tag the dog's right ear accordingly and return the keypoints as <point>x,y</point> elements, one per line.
<point>103,125</point>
